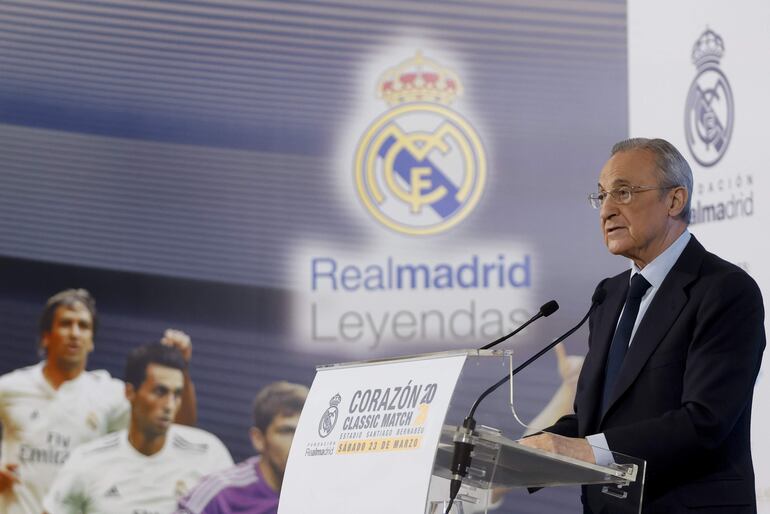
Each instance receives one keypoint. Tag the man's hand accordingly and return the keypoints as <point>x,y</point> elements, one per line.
<point>8,477</point>
<point>179,340</point>
<point>576,448</point>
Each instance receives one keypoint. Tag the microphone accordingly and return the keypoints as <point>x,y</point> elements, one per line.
<point>461,459</point>
<point>546,310</point>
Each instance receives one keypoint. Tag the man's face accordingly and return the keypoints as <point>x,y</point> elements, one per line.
<point>273,444</point>
<point>70,338</point>
<point>155,404</point>
<point>641,229</point>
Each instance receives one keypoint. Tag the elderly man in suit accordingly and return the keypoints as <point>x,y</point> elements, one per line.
<point>674,349</point>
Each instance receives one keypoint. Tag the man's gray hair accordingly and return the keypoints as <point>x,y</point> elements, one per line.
<point>673,169</point>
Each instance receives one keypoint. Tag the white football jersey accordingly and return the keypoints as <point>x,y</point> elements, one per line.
<point>41,426</point>
<point>109,476</point>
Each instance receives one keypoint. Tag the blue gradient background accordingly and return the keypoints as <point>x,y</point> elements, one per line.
<point>169,155</point>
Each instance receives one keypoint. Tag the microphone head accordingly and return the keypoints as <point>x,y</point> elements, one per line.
<point>598,296</point>
<point>549,308</point>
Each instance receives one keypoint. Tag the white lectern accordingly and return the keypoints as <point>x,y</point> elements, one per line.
<point>372,439</point>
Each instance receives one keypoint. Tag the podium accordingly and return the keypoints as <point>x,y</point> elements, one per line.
<point>377,437</point>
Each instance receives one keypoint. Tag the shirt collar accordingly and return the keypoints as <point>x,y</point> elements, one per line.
<point>657,270</point>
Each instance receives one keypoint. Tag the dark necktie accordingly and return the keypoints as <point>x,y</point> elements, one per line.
<point>622,337</point>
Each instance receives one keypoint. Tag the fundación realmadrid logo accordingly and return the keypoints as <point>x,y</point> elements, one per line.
<point>330,416</point>
<point>420,167</point>
<point>709,113</point>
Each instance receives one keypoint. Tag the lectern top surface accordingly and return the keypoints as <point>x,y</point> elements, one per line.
<point>422,356</point>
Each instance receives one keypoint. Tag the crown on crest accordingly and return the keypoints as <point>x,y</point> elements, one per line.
<point>708,48</point>
<point>418,79</point>
<point>336,399</point>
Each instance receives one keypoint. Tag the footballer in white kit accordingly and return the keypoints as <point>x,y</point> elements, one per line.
<point>48,409</point>
<point>146,469</point>
<point>41,426</point>
<point>109,476</point>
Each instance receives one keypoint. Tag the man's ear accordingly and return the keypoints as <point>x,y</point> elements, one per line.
<point>677,201</point>
<point>257,439</point>
<point>44,341</point>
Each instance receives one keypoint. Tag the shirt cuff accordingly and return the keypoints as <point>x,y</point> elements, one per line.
<point>602,453</point>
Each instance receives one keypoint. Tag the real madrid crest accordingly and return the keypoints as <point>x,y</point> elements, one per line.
<point>709,113</point>
<point>420,167</point>
<point>330,416</point>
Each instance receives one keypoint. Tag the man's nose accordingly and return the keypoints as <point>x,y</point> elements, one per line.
<point>170,404</point>
<point>608,209</point>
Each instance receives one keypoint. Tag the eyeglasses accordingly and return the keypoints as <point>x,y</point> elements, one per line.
<point>621,195</point>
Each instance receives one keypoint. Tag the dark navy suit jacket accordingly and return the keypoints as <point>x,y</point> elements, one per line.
<point>682,401</point>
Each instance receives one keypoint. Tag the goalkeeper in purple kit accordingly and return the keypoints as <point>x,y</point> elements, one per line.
<point>254,485</point>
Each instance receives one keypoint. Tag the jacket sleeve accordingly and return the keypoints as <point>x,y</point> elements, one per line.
<point>567,425</point>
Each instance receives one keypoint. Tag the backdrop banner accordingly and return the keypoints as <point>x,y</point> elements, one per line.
<point>696,78</point>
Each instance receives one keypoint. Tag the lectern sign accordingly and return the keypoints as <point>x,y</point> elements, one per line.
<point>367,437</point>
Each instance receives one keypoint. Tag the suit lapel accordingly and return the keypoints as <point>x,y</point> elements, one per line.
<point>660,315</point>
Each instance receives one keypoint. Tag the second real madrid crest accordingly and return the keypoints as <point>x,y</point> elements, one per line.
<point>329,417</point>
<point>709,111</point>
<point>420,167</point>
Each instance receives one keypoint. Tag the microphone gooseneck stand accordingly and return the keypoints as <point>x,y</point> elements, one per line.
<point>461,459</point>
